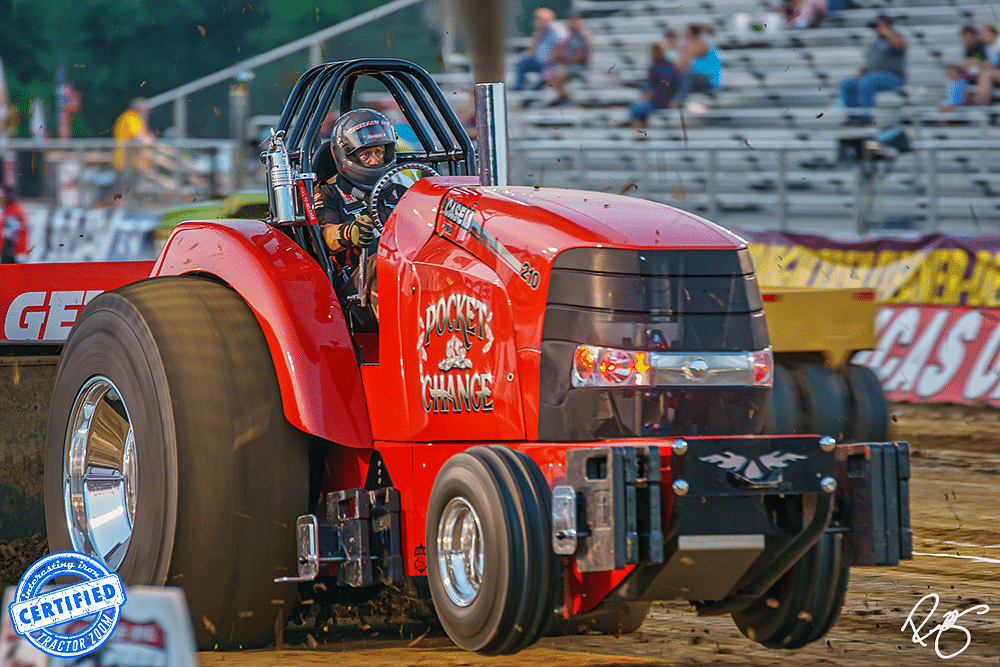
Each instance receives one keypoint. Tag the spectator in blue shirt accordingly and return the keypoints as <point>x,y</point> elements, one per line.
<point>699,63</point>
<point>884,69</point>
<point>549,35</point>
<point>572,57</point>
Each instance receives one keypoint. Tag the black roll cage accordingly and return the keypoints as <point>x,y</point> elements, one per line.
<point>420,100</point>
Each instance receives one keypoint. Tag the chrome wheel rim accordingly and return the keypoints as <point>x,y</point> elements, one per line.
<point>460,551</point>
<point>100,473</point>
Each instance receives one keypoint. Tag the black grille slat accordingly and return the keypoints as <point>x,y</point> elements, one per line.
<point>631,330</point>
<point>655,294</point>
<point>666,263</point>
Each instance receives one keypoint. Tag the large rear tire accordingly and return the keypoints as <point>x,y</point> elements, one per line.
<point>491,571</point>
<point>801,606</point>
<point>167,392</point>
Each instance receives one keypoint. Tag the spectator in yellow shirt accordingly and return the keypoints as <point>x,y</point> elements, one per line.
<point>130,129</point>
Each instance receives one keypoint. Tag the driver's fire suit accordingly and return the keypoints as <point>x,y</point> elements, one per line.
<point>340,202</point>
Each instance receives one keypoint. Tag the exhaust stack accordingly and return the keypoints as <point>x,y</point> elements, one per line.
<point>491,134</point>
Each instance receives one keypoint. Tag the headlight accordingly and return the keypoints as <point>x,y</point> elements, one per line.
<point>595,366</point>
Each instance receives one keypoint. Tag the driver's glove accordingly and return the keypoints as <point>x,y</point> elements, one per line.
<point>358,232</point>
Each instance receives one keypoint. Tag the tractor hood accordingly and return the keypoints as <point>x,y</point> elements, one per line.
<point>519,231</point>
<point>544,221</point>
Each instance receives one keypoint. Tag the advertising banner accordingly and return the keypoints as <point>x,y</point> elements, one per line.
<point>937,354</point>
<point>936,269</point>
<point>40,302</point>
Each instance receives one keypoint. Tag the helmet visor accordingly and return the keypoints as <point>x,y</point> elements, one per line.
<point>370,156</point>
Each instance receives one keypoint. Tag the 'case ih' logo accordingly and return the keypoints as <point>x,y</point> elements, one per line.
<point>750,469</point>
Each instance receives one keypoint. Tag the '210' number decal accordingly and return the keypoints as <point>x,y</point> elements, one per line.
<point>530,276</point>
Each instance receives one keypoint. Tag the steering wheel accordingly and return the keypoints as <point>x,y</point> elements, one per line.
<point>401,177</point>
<point>399,173</point>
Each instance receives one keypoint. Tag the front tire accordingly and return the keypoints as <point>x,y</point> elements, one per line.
<point>491,571</point>
<point>167,387</point>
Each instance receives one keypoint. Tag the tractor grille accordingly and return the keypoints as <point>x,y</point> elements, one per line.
<point>699,301</point>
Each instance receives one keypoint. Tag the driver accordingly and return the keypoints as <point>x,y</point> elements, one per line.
<point>363,145</point>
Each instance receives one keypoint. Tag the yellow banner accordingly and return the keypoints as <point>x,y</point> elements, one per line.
<point>940,276</point>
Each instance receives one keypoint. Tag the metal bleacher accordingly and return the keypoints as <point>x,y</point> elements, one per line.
<point>767,150</point>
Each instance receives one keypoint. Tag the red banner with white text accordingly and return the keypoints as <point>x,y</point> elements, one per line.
<point>937,354</point>
<point>40,302</point>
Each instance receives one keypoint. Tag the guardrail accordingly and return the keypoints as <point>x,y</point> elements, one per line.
<point>725,181</point>
<point>81,172</point>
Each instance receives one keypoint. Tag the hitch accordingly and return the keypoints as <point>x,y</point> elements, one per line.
<point>361,535</point>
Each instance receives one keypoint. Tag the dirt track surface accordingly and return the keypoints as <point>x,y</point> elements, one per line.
<point>956,521</point>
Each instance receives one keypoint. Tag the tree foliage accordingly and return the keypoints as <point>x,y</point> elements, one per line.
<point>114,51</point>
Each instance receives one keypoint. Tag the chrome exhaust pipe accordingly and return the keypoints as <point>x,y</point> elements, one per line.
<point>491,134</point>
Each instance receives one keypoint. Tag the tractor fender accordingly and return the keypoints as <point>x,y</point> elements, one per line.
<point>292,298</point>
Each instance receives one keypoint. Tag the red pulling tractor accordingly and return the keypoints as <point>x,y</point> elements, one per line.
<point>554,421</point>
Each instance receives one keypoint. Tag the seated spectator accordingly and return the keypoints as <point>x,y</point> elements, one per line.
<point>699,64</point>
<point>960,77</point>
<point>988,35</point>
<point>956,89</point>
<point>975,51</point>
<point>884,69</point>
<point>540,59</point>
<point>988,76</point>
<point>572,57</point>
<point>805,13</point>
<point>659,88</point>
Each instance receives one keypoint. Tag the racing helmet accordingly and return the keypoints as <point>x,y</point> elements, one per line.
<point>354,131</point>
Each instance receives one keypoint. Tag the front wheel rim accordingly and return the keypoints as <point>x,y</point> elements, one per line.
<point>100,473</point>
<point>460,552</point>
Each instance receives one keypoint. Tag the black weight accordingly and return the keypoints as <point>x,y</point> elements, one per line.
<point>609,618</point>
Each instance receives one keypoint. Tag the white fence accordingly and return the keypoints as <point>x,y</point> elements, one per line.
<point>94,235</point>
<point>81,172</point>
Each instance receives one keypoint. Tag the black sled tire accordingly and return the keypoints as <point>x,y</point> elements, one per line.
<point>870,414</point>
<point>824,400</point>
<point>624,620</point>
<point>619,618</point>
<point>219,476</point>
<point>801,606</point>
<point>500,498</point>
